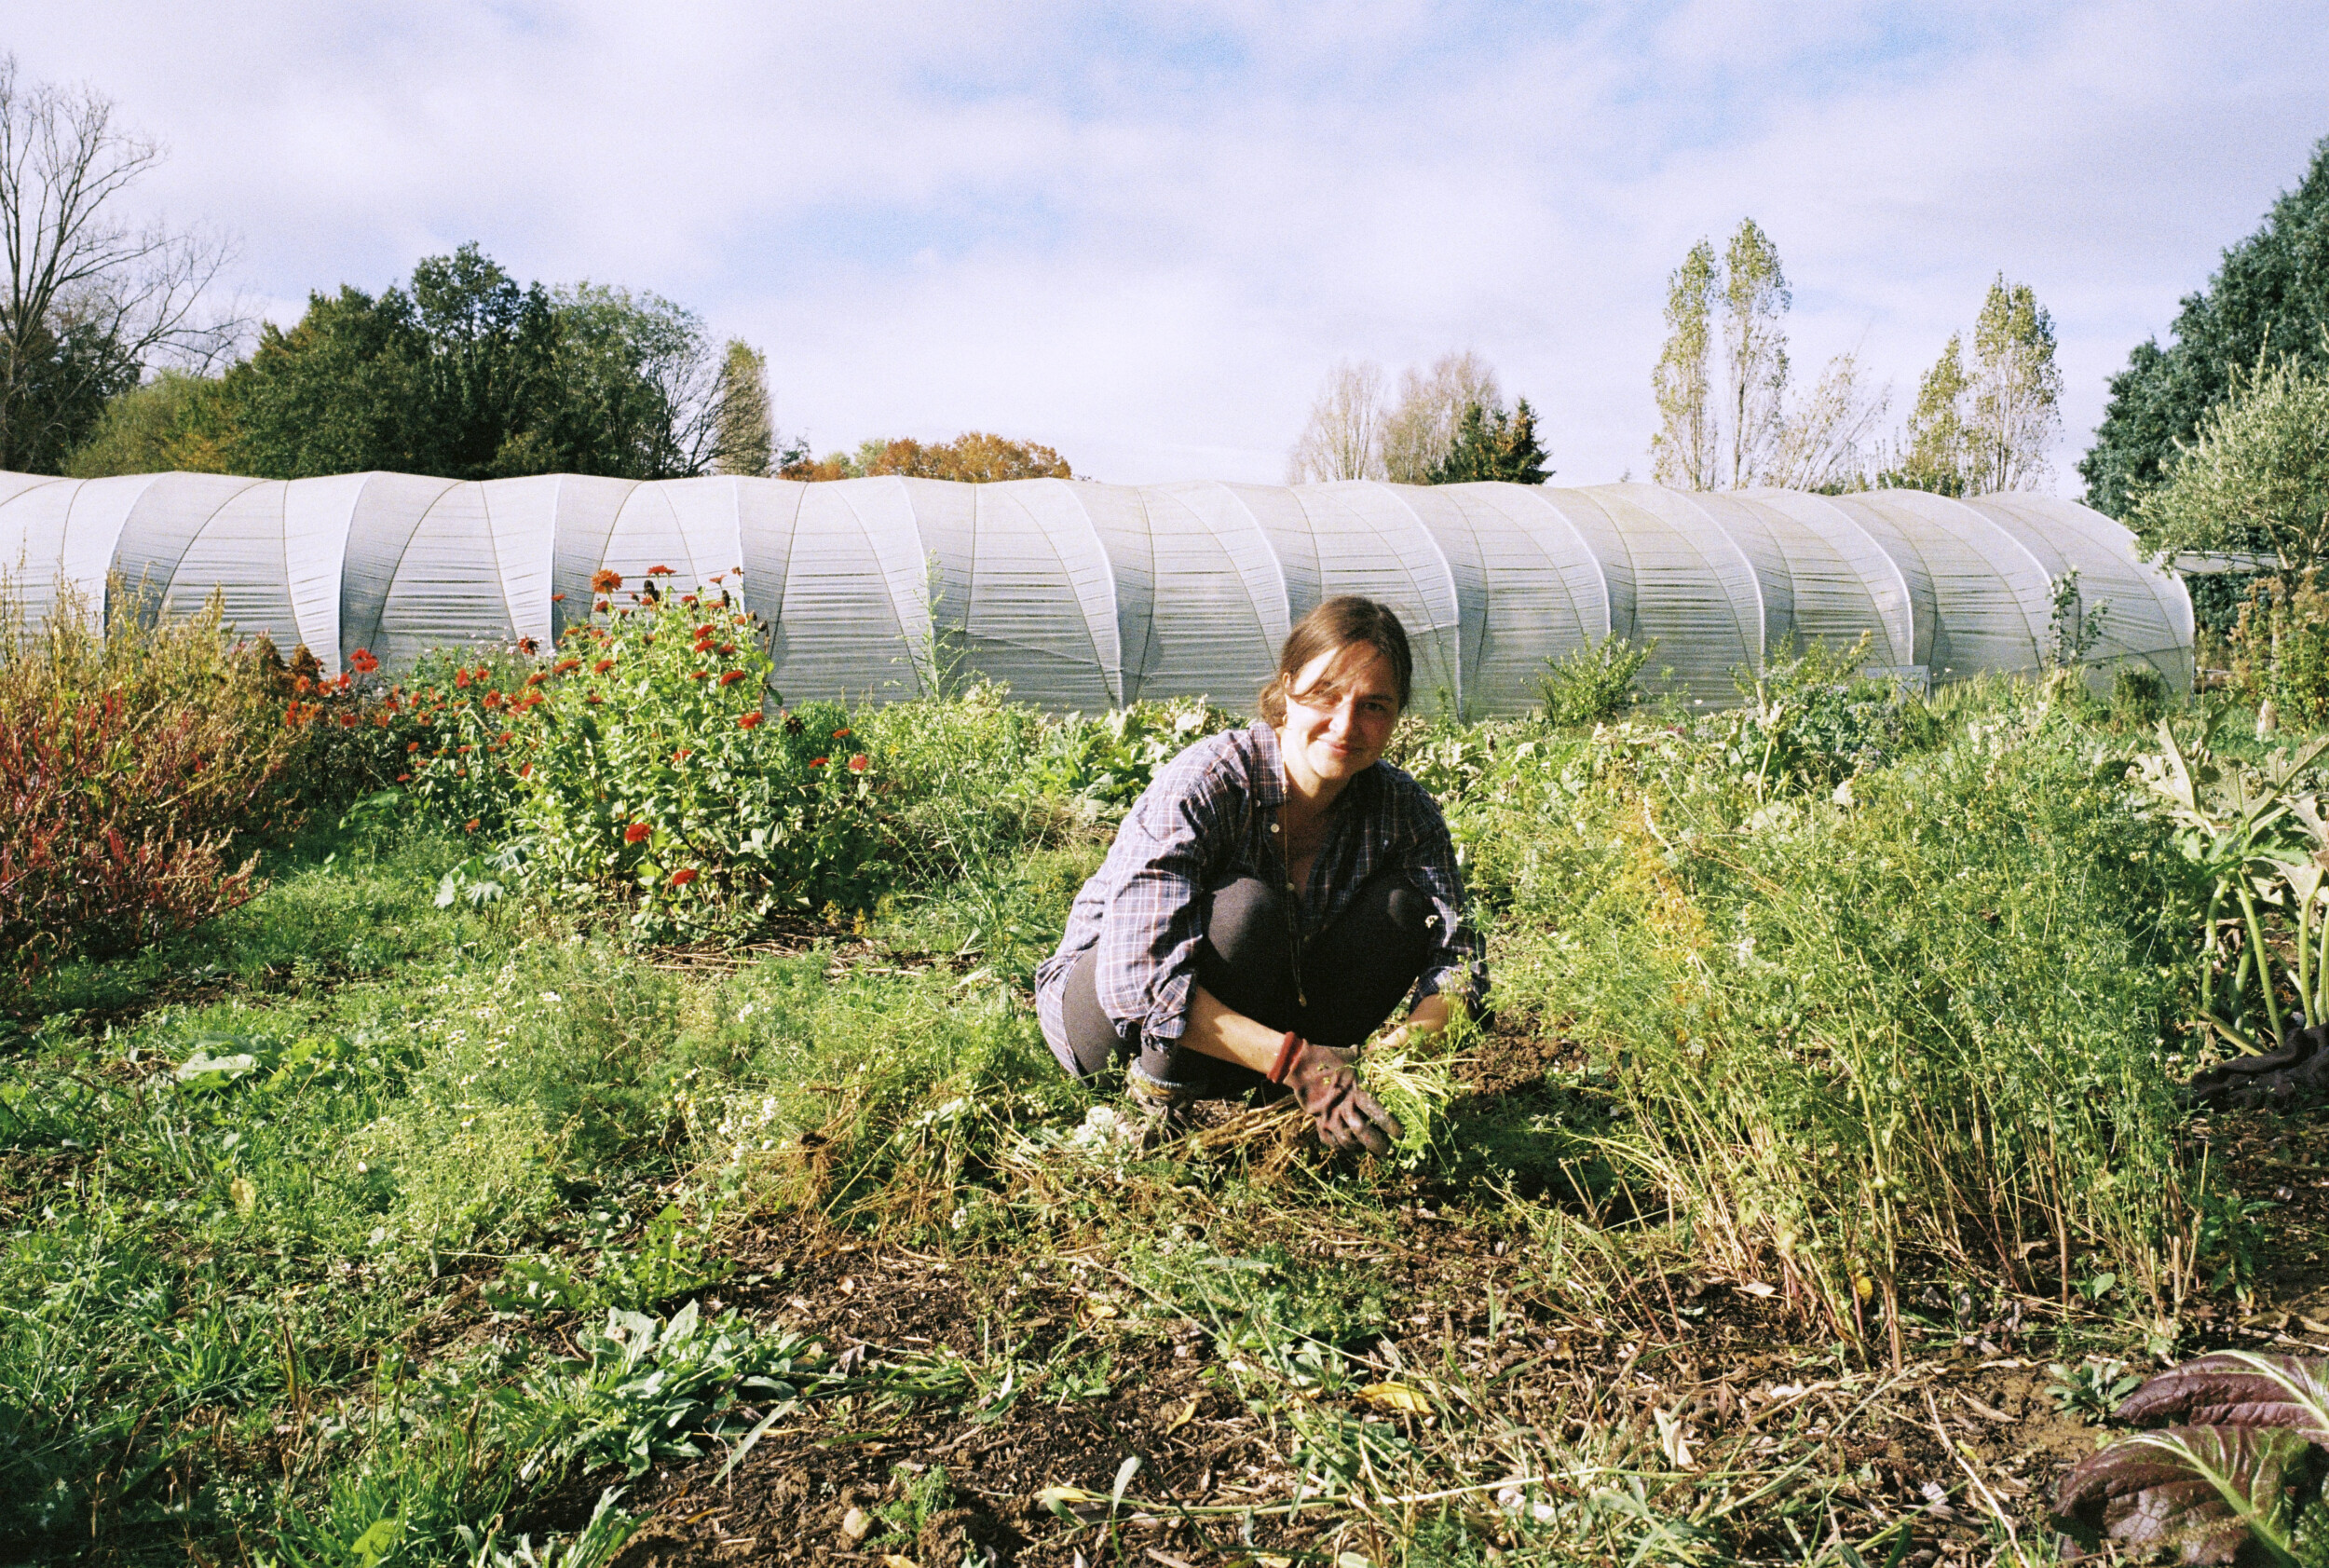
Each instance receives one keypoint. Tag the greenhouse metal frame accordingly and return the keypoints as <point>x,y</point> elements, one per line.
<point>1083,596</point>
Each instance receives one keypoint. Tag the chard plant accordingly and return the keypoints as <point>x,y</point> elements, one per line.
<point>2262,845</point>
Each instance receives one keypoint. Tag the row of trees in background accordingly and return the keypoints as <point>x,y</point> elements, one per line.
<point>972,458</point>
<point>1726,419</point>
<point>108,363</point>
<point>1449,426</point>
<point>464,373</point>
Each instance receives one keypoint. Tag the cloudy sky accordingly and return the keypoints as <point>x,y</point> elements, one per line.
<point>1143,234</point>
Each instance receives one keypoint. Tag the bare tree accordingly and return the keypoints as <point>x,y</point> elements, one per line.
<point>1825,444</point>
<point>746,441</point>
<point>1683,453</point>
<point>1343,439</point>
<point>92,299</point>
<point>1755,298</point>
<point>1419,433</point>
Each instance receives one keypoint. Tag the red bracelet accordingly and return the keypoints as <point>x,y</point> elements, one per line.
<point>1287,1047</point>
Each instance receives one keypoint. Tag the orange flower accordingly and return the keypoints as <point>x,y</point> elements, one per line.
<point>687,598</point>
<point>680,756</point>
<point>602,607</point>
<point>816,762</point>
<point>595,700</point>
<point>460,677</point>
<point>527,646</point>
<point>680,879</point>
<point>414,746</point>
<point>726,650</point>
<point>470,826</point>
<point>750,720</point>
<point>564,666</point>
<point>658,571</point>
<point>535,679</point>
<point>703,631</point>
<point>557,598</point>
<point>605,581</point>
<point>363,662</point>
<point>404,778</point>
<point>636,832</point>
<point>857,763</point>
<point>526,771</point>
<point>602,666</point>
<point>841,734</point>
<point>732,677</point>
<point>699,674</point>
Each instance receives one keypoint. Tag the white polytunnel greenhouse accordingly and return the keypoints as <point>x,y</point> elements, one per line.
<point>1083,596</point>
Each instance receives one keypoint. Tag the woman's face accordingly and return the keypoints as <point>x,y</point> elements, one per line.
<point>1340,709</point>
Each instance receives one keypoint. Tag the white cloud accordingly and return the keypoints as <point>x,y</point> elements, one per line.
<point>1142,235</point>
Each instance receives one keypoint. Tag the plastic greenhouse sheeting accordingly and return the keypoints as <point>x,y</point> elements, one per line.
<point>1084,595</point>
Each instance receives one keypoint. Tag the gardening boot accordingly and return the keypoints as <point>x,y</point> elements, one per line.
<point>2296,1070</point>
<point>1159,1109</point>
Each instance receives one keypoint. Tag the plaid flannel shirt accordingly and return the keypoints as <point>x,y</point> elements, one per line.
<point>1213,814</point>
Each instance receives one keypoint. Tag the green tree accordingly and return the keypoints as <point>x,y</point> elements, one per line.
<point>1493,445</point>
<point>1682,452</point>
<point>1933,452</point>
<point>176,421</point>
<point>2270,294</point>
<point>746,439</point>
<point>2016,388</point>
<point>1987,428</point>
<point>1755,302</point>
<point>2256,478</point>
<point>468,375</point>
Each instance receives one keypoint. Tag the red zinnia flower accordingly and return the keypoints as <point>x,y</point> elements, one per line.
<point>460,677</point>
<point>509,735</point>
<point>680,756</point>
<point>841,734</point>
<point>470,826</point>
<point>716,575</point>
<point>658,571</point>
<point>557,598</point>
<point>526,771</point>
<point>493,699</point>
<point>857,763</point>
<point>682,878</point>
<point>401,778</point>
<point>750,720</point>
<point>527,647</point>
<point>816,762</point>
<point>636,832</point>
<point>602,666</point>
<point>732,677</point>
<point>687,598</point>
<point>413,748</point>
<point>605,581</point>
<point>465,751</point>
<point>727,648</point>
<point>363,662</point>
<point>564,665</point>
<point>703,631</point>
<point>595,700</point>
<point>602,607</point>
<point>535,679</point>
<point>347,721</point>
<point>700,674</point>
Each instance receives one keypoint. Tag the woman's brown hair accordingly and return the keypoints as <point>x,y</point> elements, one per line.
<point>1339,622</point>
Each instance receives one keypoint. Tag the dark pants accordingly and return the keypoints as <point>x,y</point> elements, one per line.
<point>1352,974</point>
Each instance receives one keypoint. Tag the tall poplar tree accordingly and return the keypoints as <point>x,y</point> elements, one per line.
<point>1755,302</point>
<point>1682,452</point>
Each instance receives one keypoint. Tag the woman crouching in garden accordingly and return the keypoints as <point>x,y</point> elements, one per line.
<point>1269,898</point>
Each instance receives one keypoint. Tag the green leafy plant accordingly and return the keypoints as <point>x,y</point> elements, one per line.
<point>1594,682</point>
<point>663,777</point>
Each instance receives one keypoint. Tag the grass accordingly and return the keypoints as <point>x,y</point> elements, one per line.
<point>349,1228</point>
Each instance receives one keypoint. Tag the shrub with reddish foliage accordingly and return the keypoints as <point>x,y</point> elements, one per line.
<point>137,766</point>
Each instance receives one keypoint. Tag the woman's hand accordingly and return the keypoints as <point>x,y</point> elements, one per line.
<point>1430,1017</point>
